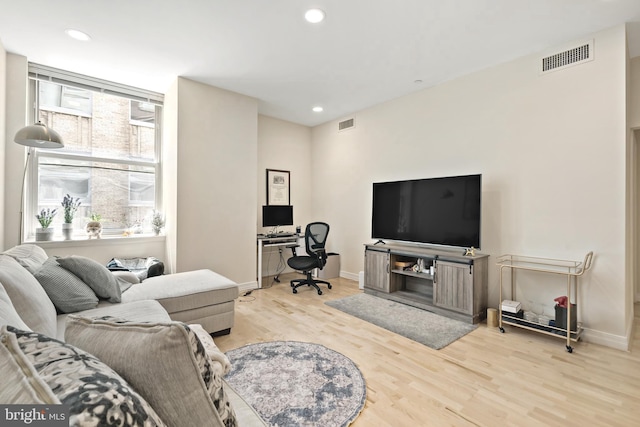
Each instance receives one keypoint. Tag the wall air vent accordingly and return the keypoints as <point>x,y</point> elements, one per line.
<point>574,56</point>
<point>346,124</point>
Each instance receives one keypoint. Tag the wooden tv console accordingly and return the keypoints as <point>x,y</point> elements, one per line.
<point>456,289</point>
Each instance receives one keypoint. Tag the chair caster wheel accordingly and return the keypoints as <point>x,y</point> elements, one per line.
<point>319,292</point>
<point>295,291</point>
<point>329,286</point>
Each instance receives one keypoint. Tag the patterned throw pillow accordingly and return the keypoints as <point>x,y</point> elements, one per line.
<point>67,292</point>
<point>97,396</point>
<point>165,362</point>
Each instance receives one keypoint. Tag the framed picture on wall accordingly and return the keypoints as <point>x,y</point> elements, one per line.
<point>278,187</point>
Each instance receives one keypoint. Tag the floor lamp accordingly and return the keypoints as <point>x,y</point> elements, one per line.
<point>34,136</point>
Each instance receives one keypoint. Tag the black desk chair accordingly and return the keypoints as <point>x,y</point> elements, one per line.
<point>315,237</point>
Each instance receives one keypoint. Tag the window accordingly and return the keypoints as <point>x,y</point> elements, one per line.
<point>110,160</point>
<point>142,113</point>
<point>142,188</point>
<point>64,99</point>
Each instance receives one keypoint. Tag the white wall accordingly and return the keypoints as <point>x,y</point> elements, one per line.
<point>631,192</point>
<point>170,171</point>
<point>634,125</point>
<point>284,146</point>
<point>3,131</point>
<point>15,155</point>
<point>104,250</point>
<point>216,181</point>
<point>635,208</point>
<point>634,102</point>
<point>552,153</point>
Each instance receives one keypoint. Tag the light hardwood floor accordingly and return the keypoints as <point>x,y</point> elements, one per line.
<point>486,378</point>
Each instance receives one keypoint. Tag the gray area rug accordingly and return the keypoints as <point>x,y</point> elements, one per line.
<point>292,383</point>
<point>419,325</point>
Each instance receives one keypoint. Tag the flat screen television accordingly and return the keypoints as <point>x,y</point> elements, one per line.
<point>440,211</point>
<point>275,215</point>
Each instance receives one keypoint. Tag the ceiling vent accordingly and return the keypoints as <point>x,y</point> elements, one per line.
<point>574,56</point>
<point>346,124</point>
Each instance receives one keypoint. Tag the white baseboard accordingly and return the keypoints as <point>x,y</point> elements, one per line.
<point>248,286</point>
<point>617,342</point>
<point>349,276</point>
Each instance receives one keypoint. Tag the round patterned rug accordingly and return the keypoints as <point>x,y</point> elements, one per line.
<point>292,383</point>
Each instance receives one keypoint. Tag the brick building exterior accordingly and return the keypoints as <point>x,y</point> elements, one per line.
<point>105,130</point>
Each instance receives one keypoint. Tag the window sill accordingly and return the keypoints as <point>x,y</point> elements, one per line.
<point>104,241</point>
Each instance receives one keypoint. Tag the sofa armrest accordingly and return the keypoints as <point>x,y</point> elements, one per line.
<point>245,414</point>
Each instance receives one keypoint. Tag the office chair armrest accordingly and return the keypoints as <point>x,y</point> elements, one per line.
<point>321,256</point>
<point>293,248</point>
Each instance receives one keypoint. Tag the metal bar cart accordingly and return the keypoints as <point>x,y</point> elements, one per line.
<point>571,269</point>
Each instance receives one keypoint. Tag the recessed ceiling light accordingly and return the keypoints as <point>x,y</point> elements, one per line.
<point>78,35</point>
<point>318,109</point>
<point>314,16</point>
<point>418,81</point>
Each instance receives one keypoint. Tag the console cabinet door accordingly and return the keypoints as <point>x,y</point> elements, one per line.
<point>376,270</point>
<point>453,286</point>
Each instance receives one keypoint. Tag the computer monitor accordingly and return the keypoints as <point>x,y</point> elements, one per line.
<point>275,215</point>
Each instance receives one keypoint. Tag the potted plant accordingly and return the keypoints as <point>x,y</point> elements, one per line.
<point>45,217</point>
<point>157,222</point>
<point>94,227</point>
<point>70,206</point>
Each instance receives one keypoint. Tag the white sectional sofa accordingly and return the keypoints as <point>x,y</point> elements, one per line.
<point>163,312</point>
<point>200,296</point>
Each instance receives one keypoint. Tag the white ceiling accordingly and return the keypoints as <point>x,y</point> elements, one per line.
<point>364,53</point>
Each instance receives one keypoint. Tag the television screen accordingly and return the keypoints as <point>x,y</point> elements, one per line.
<point>274,215</point>
<point>441,211</point>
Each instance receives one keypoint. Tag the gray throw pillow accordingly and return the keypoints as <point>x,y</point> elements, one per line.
<point>67,292</point>
<point>103,282</point>
<point>165,362</point>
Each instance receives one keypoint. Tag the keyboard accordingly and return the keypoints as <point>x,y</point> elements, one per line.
<point>273,236</point>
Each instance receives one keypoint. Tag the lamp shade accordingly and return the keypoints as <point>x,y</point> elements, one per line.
<point>38,135</point>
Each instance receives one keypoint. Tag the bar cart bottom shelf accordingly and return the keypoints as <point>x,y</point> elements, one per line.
<point>548,330</point>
